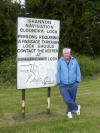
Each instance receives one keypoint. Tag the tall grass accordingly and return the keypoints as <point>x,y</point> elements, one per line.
<point>88,65</point>
<point>8,70</point>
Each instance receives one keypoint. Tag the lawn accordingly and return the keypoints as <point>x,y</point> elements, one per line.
<point>38,121</point>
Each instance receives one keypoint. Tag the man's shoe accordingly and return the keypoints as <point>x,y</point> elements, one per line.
<point>69,114</point>
<point>78,110</point>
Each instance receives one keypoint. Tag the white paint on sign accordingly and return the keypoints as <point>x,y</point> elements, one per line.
<point>37,52</point>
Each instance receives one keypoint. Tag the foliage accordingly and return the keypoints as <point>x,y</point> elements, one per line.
<point>79,22</point>
<point>79,29</point>
<point>8,15</point>
<point>8,70</point>
<point>88,66</point>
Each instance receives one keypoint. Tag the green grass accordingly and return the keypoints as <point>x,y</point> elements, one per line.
<point>88,65</point>
<point>38,121</point>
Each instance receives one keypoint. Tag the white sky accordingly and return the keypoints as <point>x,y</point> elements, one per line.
<point>20,1</point>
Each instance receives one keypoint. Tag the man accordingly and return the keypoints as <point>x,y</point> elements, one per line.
<point>68,77</point>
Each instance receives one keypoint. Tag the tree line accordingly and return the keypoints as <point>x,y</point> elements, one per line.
<point>79,29</point>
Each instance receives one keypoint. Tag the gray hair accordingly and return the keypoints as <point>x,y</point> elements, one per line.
<point>69,49</point>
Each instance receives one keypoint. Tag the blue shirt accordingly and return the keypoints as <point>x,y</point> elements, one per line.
<point>68,73</point>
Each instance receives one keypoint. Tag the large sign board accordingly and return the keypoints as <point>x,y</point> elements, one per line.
<point>37,52</point>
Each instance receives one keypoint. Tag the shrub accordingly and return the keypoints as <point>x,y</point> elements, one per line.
<point>8,70</point>
<point>88,65</point>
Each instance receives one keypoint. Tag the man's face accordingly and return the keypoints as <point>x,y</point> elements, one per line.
<point>66,54</point>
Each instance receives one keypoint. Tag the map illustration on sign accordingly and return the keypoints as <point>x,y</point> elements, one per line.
<point>36,75</point>
<point>32,72</point>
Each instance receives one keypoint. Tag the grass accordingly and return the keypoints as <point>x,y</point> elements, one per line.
<point>38,121</point>
<point>88,65</point>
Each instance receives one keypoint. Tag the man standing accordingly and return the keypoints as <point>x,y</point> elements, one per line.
<point>68,77</point>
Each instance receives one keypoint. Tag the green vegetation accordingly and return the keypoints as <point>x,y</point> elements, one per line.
<point>89,66</point>
<point>8,70</point>
<point>79,30</point>
<point>38,121</point>
<point>8,17</point>
<point>79,22</point>
<point>79,19</point>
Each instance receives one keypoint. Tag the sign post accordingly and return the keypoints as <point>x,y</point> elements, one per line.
<point>23,103</point>
<point>37,54</point>
<point>48,100</point>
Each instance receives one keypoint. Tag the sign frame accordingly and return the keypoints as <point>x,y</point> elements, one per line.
<point>49,85</point>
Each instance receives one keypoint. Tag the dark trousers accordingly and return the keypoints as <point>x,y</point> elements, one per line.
<point>68,93</point>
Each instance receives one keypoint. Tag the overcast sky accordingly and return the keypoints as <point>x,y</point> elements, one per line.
<point>22,1</point>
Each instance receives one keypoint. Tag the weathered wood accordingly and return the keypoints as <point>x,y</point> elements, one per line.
<point>48,100</point>
<point>23,103</point>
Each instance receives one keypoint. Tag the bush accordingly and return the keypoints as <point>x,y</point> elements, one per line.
<point>8,70</point>
<point>88,65</point>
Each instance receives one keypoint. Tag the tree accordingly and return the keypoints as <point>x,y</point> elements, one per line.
<point>79,29</point>
<point>8,15</point>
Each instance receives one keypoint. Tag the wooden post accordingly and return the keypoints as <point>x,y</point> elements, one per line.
<point>48,100</point>
<point>23,103</point>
